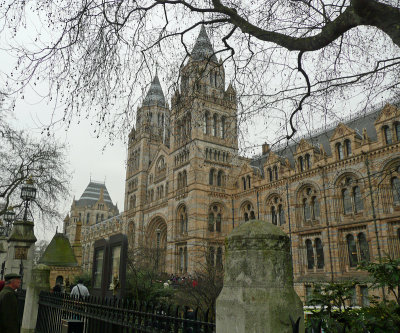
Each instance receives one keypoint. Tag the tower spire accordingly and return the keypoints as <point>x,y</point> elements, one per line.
<point>203,49</point>
<point>155,95</point>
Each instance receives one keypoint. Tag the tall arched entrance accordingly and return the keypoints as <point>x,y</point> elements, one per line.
<point>156,239</point>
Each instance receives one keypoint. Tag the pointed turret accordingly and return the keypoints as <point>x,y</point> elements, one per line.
<point>155,95</point>
<point>203,49</point>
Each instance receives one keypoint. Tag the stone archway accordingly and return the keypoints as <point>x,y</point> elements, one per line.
<point>156,240</point>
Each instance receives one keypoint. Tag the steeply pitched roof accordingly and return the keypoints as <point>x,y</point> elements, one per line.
<point>155,95</point>
<point>203,49</point>
<point>92,194</point>
<point>59,252</point>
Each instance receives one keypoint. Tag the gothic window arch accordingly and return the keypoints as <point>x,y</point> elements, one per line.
<point>397,130</point>
<point>215,213</point>
<point>310,206</point>
<point>184,178</point>
<point>248,178</point>
<point>319,249</point>
<point>307,159</point>
<point>244,183</point>
<point>277,211</point>
<point>387,134</point>
<point>351,196</point>
<point>179,180</point>
<point>276,175</point>
<point>182,217</point>
<point>211,177</point>
<point>270,175</point>
<point>218,260</point>
<point>301,163</point>
<point>339,151</point>
<point>352,250</point>
<point>310,254</point>
<point>395,187</point>
<point>214,125</point>
<point>347,147</point>
<point>223,127</point>
<point>363,247</point>
<point>132,202</point>
<point>248,211</point>
<point>206,125</point>
<point>220,178</point>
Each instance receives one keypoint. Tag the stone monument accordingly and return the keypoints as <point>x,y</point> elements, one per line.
<point>258,294</point>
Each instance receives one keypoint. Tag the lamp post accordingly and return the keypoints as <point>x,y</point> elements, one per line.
<point>9,217</point>
<point>28,193</point>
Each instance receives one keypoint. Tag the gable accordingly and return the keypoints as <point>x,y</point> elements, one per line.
<point>388,112</point>
<point>341,131</point>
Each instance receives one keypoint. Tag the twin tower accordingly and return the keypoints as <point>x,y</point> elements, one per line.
<point>173,149</point>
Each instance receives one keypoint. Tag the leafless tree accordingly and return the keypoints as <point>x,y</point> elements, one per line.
<point>43,160</point>
<point>40,247</point>
<point>282,56</point>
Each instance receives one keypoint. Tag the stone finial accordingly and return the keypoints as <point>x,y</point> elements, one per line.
<point>258,294</point>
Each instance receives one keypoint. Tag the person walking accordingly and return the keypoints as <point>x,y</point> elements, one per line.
<point>9,304</point>
<point>80,290</point>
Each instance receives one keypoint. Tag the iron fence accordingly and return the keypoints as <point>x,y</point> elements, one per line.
<point>118,316</point>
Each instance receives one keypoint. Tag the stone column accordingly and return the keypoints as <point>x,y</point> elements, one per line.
<point>39,282</point>
<point>258,294</point>
<point>21,249</point>
<point>3,253</point>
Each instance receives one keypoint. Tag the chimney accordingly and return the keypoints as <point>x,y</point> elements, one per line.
<point>265,148</point>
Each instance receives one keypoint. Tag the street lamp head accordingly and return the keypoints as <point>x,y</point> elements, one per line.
<point>9,215</point>
<point>28,191</point>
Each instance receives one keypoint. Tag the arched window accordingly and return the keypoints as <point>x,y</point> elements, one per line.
<point>301,163</point>
<point>314,208</point>
<point>306,210</point>
<point>87,218</point>
<point>102,217</point>
<point>184,178</point>
<point>339,151</point>
<point>218,223</point>
<point>274,216</point>
<point>183,219</point>
<point>246,216</point>
<point>220,177</point>
<point>244,183</point>
<point>223,128</point>
<point>363,246</point>
<point>206,126</point>
<point>211,222</point>
<point>97,217</point>
<point>358,203</point>
<point>214,128</point>
<point>395,184</point>
<point>252,215</point>
<point>310,254</point>
<point>219,258</point>
<point>132,203</point>
<point>387,133</point>
<point>281,215</point>
<point>211,177</point>
<point>352,249</point>
<point>276,172</point>
<point>248,182</point>
<point>248,211</point>
<point>347,145</point>
<point>181,260</point>
<point>320,253</point>
<point>271,178</point>
<point>397,130</point>
<point>346,200</point>
<point>179,180</point>
<point>308,161</point>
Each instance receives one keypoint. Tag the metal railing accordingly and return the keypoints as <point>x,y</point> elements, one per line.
<point>118,316</point>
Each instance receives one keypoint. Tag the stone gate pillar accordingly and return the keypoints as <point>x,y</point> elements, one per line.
<point>258,294</point>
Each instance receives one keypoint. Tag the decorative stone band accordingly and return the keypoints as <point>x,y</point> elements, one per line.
<point>264,242</point>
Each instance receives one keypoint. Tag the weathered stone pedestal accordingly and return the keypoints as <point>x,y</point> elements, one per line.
<point>21,249</point>
<point>258,294</point>
<point>39,282</point>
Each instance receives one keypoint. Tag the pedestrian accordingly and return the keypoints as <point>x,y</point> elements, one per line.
<point>1,285</point>
<point>57,288</point>
<point>80,290</point>
<point>9,304</point>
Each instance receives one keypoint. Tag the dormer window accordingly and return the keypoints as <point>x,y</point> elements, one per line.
<point>301,164</point>
<point>270,176</point>
<point>308,161</point>
<point>276,172</point>
<point>339,151</point>
<point>347,146</point>
<point>387,134</point>
<point>397,130</point>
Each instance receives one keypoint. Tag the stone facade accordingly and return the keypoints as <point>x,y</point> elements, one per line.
<point>187,188</point>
